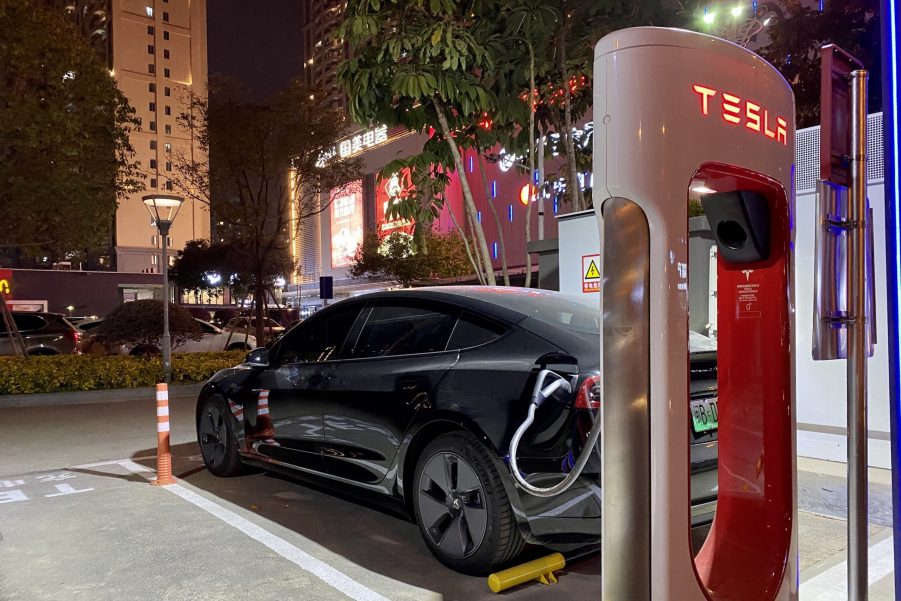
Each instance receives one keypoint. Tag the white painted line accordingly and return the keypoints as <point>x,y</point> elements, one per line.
<point>832,584</point>
<point>85,466</point>
<point>329,575</point>
<point>137,468</point>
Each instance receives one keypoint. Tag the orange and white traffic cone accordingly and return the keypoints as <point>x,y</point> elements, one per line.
<point>163,453</point>
<point>265,428</point>
<point>238,413</point>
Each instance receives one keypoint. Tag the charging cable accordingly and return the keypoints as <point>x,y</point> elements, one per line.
<point>539,395</point>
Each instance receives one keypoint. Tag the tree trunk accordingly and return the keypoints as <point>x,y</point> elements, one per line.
<point>528,282</point>
<point>475,247</point>
<point>497,222</point>
<point>259,298</point>
<point>472,260</point>
<point>541,183</point>
<point>467,193</point>
<point>575,192</point>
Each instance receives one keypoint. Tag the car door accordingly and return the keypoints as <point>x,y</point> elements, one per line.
<point>301,368</point>
<point>389,373</point>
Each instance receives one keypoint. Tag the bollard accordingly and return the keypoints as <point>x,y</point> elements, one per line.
<point>163,454</point>
<point>541,570</point>
<point>265,429</point>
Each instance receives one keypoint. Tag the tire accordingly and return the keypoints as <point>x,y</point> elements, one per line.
<point>239,347</point>
<point>473,542</point>
<point>216,436</point>
<point>144,350</point>
<point>42,352</point>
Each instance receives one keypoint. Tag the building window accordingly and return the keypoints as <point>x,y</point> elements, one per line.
<point>151,68</point>
<point>169,185</point>
<point>167,91</point>
<point>153,126</point>
<point>168,110</point>
<point>150,30</point>
<point>166,17</point>
<point>153,107</point>
<point>154,240</point>
<point>165,34</point>
<point>150,49</point>
<point>167,147</point>
<point>168,129</point>
<point>165,54</point>
<point>168,166</point>
<point>169,242</point>
<point>166,72</point>
<point>152,87</point>
<point>148,10</point>
<point>152,144</point>
<point>153,182</point>
<point>153,163</point>
<point>154,259</point>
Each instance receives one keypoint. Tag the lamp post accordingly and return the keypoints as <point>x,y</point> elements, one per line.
<point>163,209</point>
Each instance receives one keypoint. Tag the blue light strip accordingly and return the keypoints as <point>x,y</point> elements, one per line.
<point>479,216</point>
<point>892,147</point>
<point>510,213</point>
<point>494,249</point>
<point>494,189</point>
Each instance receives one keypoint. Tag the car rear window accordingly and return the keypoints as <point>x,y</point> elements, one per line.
<point>397,330</point>
<point>570,312</point>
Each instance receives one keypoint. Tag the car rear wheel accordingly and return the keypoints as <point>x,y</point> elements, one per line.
<point>461,506</point>
<point>217,438</point>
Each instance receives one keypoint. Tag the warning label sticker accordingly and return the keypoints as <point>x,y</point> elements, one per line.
<point>591,275</point>
<point>747,298</point>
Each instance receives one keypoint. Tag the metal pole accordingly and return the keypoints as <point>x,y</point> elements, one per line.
<point>857,346</point>
<point>167,339</point>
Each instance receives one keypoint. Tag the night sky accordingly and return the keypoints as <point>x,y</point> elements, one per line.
<point>260,43</point>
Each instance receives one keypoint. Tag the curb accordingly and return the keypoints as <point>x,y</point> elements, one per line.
<point>86,397</point>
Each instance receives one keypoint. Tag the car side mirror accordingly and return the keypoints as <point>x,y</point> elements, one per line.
<point>258,357</point>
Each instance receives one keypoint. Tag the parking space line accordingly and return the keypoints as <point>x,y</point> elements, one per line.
<point>832,584</point>
<point>121,462</point>
<point>329,575</point>
<point>334,578</point>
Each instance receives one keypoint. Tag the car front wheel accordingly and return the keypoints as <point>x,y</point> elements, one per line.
<point>462,508</point>
<point>217,438</point>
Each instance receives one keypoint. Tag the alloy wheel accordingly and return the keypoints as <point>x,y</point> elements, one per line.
<point>452,505</point>
<point>213,436</point>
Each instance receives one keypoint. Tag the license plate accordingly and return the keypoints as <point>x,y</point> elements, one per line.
<point>704,415</point>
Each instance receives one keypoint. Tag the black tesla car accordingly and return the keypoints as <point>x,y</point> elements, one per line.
<point>415,395</point>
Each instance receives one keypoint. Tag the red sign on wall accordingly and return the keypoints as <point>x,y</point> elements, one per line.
<point>388,192</point>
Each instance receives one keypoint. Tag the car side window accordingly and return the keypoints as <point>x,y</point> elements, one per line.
<point>26,323</point>
<point>473,331</point>
<point>319,339</point>
<point>402,330</point>
<point>206,328</point>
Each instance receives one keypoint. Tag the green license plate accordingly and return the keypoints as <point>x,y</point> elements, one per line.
<point>704,415</point>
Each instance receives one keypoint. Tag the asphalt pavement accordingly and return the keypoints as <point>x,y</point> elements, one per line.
<point>79,520</point>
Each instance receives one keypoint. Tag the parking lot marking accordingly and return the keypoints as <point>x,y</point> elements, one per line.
<point>67,489</point>
<point>832,584</point>
<point>329,575</point>
<point>11,496</point>
<point>86,466</point>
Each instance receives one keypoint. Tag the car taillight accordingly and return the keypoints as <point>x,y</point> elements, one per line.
<point>589,395</point>
<point>74,336</point>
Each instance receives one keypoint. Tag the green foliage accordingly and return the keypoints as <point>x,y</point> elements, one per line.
<point>796,38</point>
<point>67,373</point>
<point>397,258</point>
<point>65,156</point>
<point>140,323</point>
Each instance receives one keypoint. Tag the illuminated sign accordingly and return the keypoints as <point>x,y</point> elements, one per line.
<point>389,192</point>
<point>357,144</point>
<point>346,223</point>
<point>526,193</point>
<point>737,111</point>
<point>6,280</point>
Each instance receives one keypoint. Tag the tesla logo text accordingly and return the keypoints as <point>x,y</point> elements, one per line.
<point>735,111</point>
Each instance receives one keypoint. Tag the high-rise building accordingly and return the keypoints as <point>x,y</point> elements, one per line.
<point>157,51</point>
<point>323,52</point>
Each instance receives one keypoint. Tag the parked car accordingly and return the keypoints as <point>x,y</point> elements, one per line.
<point>415,394</point>
<point>214,339</point>
<point>43,333</point>
<point>272,328</point>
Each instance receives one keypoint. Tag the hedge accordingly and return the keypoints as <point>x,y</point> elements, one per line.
<point>67,373</point>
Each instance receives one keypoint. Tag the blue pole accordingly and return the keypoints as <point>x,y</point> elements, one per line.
<point>891,27</point>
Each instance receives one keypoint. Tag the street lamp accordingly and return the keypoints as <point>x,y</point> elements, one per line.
<point>163,209</point>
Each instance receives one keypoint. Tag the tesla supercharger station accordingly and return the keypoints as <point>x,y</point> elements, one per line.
<point>682,115</point>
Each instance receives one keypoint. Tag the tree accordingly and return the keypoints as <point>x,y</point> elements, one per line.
<point>139,324</point>
<point>425,65</point>
<point>65,155</point>
<point>396,258</point>
<point>796,39</point>
<point>264,168</point>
